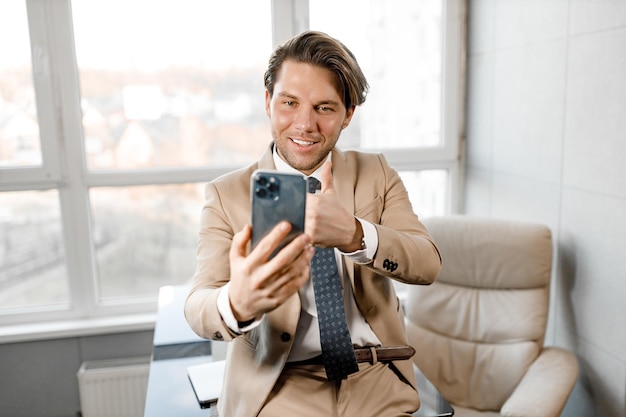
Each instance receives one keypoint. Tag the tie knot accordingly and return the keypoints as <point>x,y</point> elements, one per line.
<point>314,185</point>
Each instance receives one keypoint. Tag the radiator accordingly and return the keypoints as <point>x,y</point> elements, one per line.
<point>113,388</point>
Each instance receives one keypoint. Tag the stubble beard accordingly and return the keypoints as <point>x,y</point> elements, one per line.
<point>304,166</point>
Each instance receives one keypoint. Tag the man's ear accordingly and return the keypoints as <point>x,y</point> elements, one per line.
<point>268,101</point>
<point>348,118</point>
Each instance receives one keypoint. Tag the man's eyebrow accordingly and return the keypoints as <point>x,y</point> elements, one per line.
<point>331,102</point>
<point>320,103</point>
<point>287,95</point>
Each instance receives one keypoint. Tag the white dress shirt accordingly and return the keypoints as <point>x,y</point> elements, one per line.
<point>307,338</point>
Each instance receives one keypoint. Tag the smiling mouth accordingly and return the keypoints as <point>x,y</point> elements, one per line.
<point>302,142</point>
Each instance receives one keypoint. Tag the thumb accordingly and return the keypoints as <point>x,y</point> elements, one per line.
<point>327,177</point>
<point>240,241</point>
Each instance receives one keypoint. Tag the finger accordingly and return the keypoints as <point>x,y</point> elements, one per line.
<point>290,253</point>
<point>309,220</point>
<point>289,279</point>
<point>291,260</point>
<point>240,242</point>
<point>327,177</point>
<point>270,242</point>
<point>290,282</point>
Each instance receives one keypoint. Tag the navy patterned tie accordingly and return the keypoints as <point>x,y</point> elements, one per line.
<point>337,350</point>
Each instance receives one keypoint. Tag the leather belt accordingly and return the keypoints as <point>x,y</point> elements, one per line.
<point>369,354</point>
<point>383,353</point>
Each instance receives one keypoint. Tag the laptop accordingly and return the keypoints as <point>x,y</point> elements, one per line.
<point>206,380</point>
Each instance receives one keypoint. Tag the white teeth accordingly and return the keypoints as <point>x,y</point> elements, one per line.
<point>302,142</point>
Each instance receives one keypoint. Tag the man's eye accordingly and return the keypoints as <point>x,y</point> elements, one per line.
<point>290,103</point>
<point>324,108</point>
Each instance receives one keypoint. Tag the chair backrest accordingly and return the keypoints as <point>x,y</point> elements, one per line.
<point>479,327</point>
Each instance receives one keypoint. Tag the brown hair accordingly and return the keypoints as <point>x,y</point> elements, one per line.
<point>317,48</point>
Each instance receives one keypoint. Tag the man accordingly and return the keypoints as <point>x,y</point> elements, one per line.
<point>266,307</point>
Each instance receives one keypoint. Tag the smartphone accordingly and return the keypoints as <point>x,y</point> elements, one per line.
<point>277,196</point>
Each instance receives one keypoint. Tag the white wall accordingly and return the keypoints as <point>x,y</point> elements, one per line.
<point>546,142</point>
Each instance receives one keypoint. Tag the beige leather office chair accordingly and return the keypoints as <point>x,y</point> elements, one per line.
<point>479,329</point>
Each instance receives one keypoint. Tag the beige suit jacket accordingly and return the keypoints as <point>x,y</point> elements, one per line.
<point>368,187</point>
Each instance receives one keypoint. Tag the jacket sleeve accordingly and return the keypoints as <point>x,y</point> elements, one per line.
<point>406,251</point>
<point>212,269</point>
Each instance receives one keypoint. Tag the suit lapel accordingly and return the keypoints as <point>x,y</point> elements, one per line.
<point>267,160</point>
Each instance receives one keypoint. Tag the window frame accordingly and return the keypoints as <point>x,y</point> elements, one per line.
<point>64,168</point>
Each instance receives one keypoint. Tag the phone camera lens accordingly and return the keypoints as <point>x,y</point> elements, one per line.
<point>261,192</point>
<point>261,181</point>
<point>273,187</point>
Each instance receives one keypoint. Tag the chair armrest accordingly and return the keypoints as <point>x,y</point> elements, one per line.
<point>546,386</point>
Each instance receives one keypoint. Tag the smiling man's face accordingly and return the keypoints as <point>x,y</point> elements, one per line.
<point>306,115</point>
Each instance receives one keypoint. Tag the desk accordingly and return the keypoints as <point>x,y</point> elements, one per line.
<point>176,347</point>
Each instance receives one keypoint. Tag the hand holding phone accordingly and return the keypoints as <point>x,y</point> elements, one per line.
<point>275,197</point>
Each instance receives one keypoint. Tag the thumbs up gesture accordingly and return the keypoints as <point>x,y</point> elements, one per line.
<point>327,222</point>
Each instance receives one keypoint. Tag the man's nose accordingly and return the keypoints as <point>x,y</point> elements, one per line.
<point>305,119</point>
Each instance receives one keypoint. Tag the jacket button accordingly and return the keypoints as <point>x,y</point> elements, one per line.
<point>218,336</point>
<point>285,337</point>
<point>390,265</point>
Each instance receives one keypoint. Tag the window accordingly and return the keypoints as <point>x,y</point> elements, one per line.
<point>191,96</point>
<point>175,85</point>
<point>33,272</point>
<point>114,115</point>
<point>399,49</point>
<point>19,134</point>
